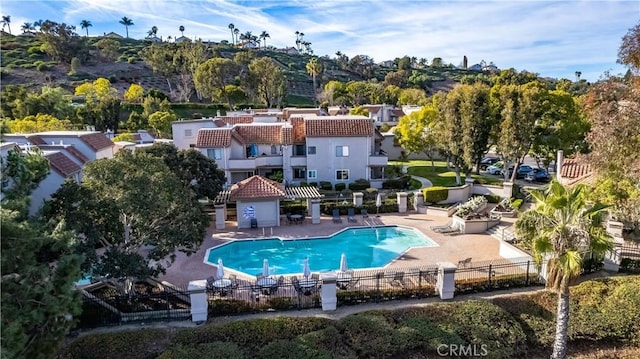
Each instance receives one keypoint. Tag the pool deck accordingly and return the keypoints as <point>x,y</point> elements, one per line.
<point>479,247</point>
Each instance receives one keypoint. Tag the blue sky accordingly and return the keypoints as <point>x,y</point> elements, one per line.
<point>550,38</point>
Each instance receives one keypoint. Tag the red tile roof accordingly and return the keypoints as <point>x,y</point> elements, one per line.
<point>257,187</point>
<point>97,141</point>
<point>62,164</point>
<point>298,129</point>
<point>338,127</point>
<point>213,137</point>
<point>287,135</point>
<point>260,134</point>
<point>232,120</point>
<point>79,155</point>
<point>289,112</point>
<point>372,108</point>
<point>573,168</point>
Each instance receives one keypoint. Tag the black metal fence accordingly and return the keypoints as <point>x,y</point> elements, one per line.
<point>104,305</point>
<point>492,275</point>
<point>629,256</point>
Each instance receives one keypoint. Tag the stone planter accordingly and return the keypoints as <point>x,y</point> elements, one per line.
<point>510,214</point>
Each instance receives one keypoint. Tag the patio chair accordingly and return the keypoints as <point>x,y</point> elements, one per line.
<point>289,219</point>
<point>234,281</point>
<point>364,213</point>
<point>296,285</point>
<point>336,216</point>
<point>315,276</point>
<point>210,281</point>
<point>351,215</point>
<point>398,279</point>
<point>464,263</point>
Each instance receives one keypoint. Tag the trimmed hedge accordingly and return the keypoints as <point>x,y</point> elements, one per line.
<point>603,311</point>
<point>435,194</point>
<point>325,185</point>
<point>340,186</point>
<point>517,203</point>
<point>359,185</point>
<point>397,183</point>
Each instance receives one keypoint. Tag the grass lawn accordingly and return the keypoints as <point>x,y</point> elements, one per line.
<point>441,175</point>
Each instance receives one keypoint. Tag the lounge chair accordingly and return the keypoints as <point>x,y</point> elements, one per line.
<point>398,280</point>
<point>364,213</point>
<point>464,263</point>
<point>336,216</point>
<point>351,215</point>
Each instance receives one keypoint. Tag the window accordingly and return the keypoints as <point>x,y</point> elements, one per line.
<point>299,173</point>
<point>299,150</point>
<point>214,153</point>
<point>274,150</point>
<point>311,150</point>
<point>342,151</point>
<point>312,174</point>
<point>192,145</point>
<point>188,133</point>
<point>342,175</point>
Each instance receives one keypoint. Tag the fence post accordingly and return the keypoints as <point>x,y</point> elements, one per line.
<point>378,277</point>
<point>446,280</point>
<point>199,304</point>
<point>490,275</point>
<point>328,291</point>
<point>526,280</point>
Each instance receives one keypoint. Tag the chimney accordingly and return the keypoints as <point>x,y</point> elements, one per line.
<point>559,162</point>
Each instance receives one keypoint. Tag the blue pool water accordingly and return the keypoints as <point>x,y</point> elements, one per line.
<point>364,248</point>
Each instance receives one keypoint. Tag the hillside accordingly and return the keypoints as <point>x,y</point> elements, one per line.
<point>23,63</point>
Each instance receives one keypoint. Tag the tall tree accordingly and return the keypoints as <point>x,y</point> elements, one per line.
<point>231,28</point>
<point>160,58</point>
<point>263,36</point>
<point>6,22</point>
<point>213,75</point>
<point>562,229</point>
<point>236,32</point>
<point>196,171</point>
<point>314,68</point>
<point>269,81</point>
<point>629,51</point>
<point>518,108</point>
<point>126,22</point>
<point>181,29</point>
<point>160,122</point>
<point>61,42</point>
<point>39,302</point>
<point>26,27</point>
<point>478,124</point>
<point>417,131</point>
<point>450,109</point>
<point>86,24</point>
<point>114,210</point>
<point>153,32</point>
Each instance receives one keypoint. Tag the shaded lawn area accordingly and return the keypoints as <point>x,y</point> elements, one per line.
<point>441,175</point>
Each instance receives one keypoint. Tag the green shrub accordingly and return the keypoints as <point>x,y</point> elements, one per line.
<point>313,184</point>
<point>42,67</point>
<point>132,60</point>
<point>324,185</point>
<point>517,203</point>
<point>397,183</point>
<point>340,186</point>
<point>218,350</point>
<point>493,198</point>
<point>35,50</point>
<point>435,194</point>
<point>294,349</point>
<point>359,185</point>
<point>143,344</point>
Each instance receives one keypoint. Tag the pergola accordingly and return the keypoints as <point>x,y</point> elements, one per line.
<point>258,201</point>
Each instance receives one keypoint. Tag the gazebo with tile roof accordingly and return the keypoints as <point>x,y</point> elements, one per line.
<point>259,198</point>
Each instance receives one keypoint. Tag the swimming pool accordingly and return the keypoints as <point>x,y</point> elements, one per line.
<point>364,248</point>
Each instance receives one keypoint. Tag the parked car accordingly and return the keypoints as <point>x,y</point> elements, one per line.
<point>522,170</point>
<point>496,168</point>
<point>537,175</point>
<point>488,161</point>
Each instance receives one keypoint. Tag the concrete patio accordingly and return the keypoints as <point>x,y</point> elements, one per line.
<point>479,247</point>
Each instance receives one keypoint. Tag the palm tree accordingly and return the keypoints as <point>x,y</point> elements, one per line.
<point>561,229</point>
<point>236,32</point>
<point>126,22</point>
<point>153,32</point>
<point>6,21</point>
<point>86,24</point>
<point>264,36</point>
<point>26,27</point>
<point>578,74</point>
<point>181,28</point>
<point>231,28</point>
<point>38,24</point>
<point>314,68</point>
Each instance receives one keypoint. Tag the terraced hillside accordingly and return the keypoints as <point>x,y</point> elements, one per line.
<point>24,63</point>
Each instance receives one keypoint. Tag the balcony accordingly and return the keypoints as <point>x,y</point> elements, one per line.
<point>254,162</point>
<point>378,160</point>
<point>268,161</point>
<point>298,161</point>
